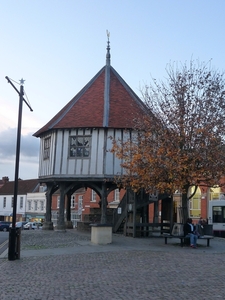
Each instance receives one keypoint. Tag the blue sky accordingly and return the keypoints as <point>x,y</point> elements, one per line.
<point>58,46</point>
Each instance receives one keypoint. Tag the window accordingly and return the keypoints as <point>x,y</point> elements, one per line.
<point>35,205</point>
<point>80,201</point>
<point>218,214</point>
<point>73,198</point>
<point>12,201</point>
<point>93,196</point>
<point>79,146</point>
<point>47,143</point>
<point>195,203</point>
<point>58,201</point>
<point>195,206</point>
<point>4,202</point>
<point>29,205</point>
<point>21,202</point>
<point>215,193</point>
<point>80,204</point>
<point>117,195</point>
<point>42,205</point>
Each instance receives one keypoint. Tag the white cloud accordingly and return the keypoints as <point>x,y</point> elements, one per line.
<point>29,152</point>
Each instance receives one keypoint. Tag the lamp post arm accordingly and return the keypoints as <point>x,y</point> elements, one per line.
<point>9,81</point>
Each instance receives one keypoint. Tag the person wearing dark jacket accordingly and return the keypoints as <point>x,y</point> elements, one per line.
<point>189,231</point>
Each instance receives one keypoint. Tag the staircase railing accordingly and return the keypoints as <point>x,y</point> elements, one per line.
<point>120,213</point>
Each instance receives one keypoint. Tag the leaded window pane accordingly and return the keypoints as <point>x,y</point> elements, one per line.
<point>79,146</point>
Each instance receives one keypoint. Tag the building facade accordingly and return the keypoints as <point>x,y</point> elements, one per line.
<point>75,144</point>
<point>7,198</point>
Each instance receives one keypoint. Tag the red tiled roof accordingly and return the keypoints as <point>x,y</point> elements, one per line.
<point>24,187</point>
<point>86,109</point>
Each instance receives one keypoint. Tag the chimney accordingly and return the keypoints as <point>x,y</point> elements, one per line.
<point>5,179</point>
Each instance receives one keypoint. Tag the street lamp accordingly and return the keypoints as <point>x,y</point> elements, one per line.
<point>12,255</point>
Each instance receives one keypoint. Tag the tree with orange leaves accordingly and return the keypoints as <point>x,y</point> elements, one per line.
<point>180,142</point>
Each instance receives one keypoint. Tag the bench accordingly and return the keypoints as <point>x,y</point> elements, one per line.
<point>183,238</point>
<point>177,232</point>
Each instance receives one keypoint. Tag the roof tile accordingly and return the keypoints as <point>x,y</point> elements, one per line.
<point>86,109</point>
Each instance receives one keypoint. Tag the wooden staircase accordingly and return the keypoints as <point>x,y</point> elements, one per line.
<point>128,204</point>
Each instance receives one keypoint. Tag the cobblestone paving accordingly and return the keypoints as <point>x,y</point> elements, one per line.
<point>44,239</point>
<point>127,274</point>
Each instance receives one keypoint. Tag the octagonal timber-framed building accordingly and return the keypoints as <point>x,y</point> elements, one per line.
<point>75,143</point>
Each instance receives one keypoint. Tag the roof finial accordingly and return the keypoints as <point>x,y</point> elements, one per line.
<point>108,49</point>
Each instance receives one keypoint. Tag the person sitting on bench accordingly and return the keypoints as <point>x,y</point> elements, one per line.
<point>189,231</point>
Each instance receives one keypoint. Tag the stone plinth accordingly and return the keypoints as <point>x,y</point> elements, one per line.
<point>101,234</point>
<point>61,227</point>
<point>47,226</point>
<point>83,226</point>
<point>69,224</point>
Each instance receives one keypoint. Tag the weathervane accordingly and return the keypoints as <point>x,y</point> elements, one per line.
<point>108,49</point>
<point>108,34</point>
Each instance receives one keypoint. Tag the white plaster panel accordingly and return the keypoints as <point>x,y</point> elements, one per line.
<point>117,162</point>
<point>100,157</point>
<point>78,166</point>
<point>71,166</point>
<point>58,152</point>
<point>64,157</point>
<point>109,167</point>
<point>94,151</point>
<point>85,168</point>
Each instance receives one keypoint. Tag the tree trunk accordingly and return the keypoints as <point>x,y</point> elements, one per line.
<point>184,204</point>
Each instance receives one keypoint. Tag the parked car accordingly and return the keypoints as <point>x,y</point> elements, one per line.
<point>19,224</point>
<point>4,225</point>
<point>33,225</point>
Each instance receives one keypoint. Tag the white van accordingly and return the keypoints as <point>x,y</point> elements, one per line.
<point>33,225</point>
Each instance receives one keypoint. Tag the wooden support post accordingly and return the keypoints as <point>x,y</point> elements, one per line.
<point>48,224</point>
<point>103,203</point>
<point>61,222</point>
<point>134,216</point>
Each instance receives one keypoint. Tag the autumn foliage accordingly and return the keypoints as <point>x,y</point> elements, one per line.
<point>179,143</point>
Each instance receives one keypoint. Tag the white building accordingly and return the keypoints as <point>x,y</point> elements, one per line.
<point>36,206</point>
<point>25,187</point>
